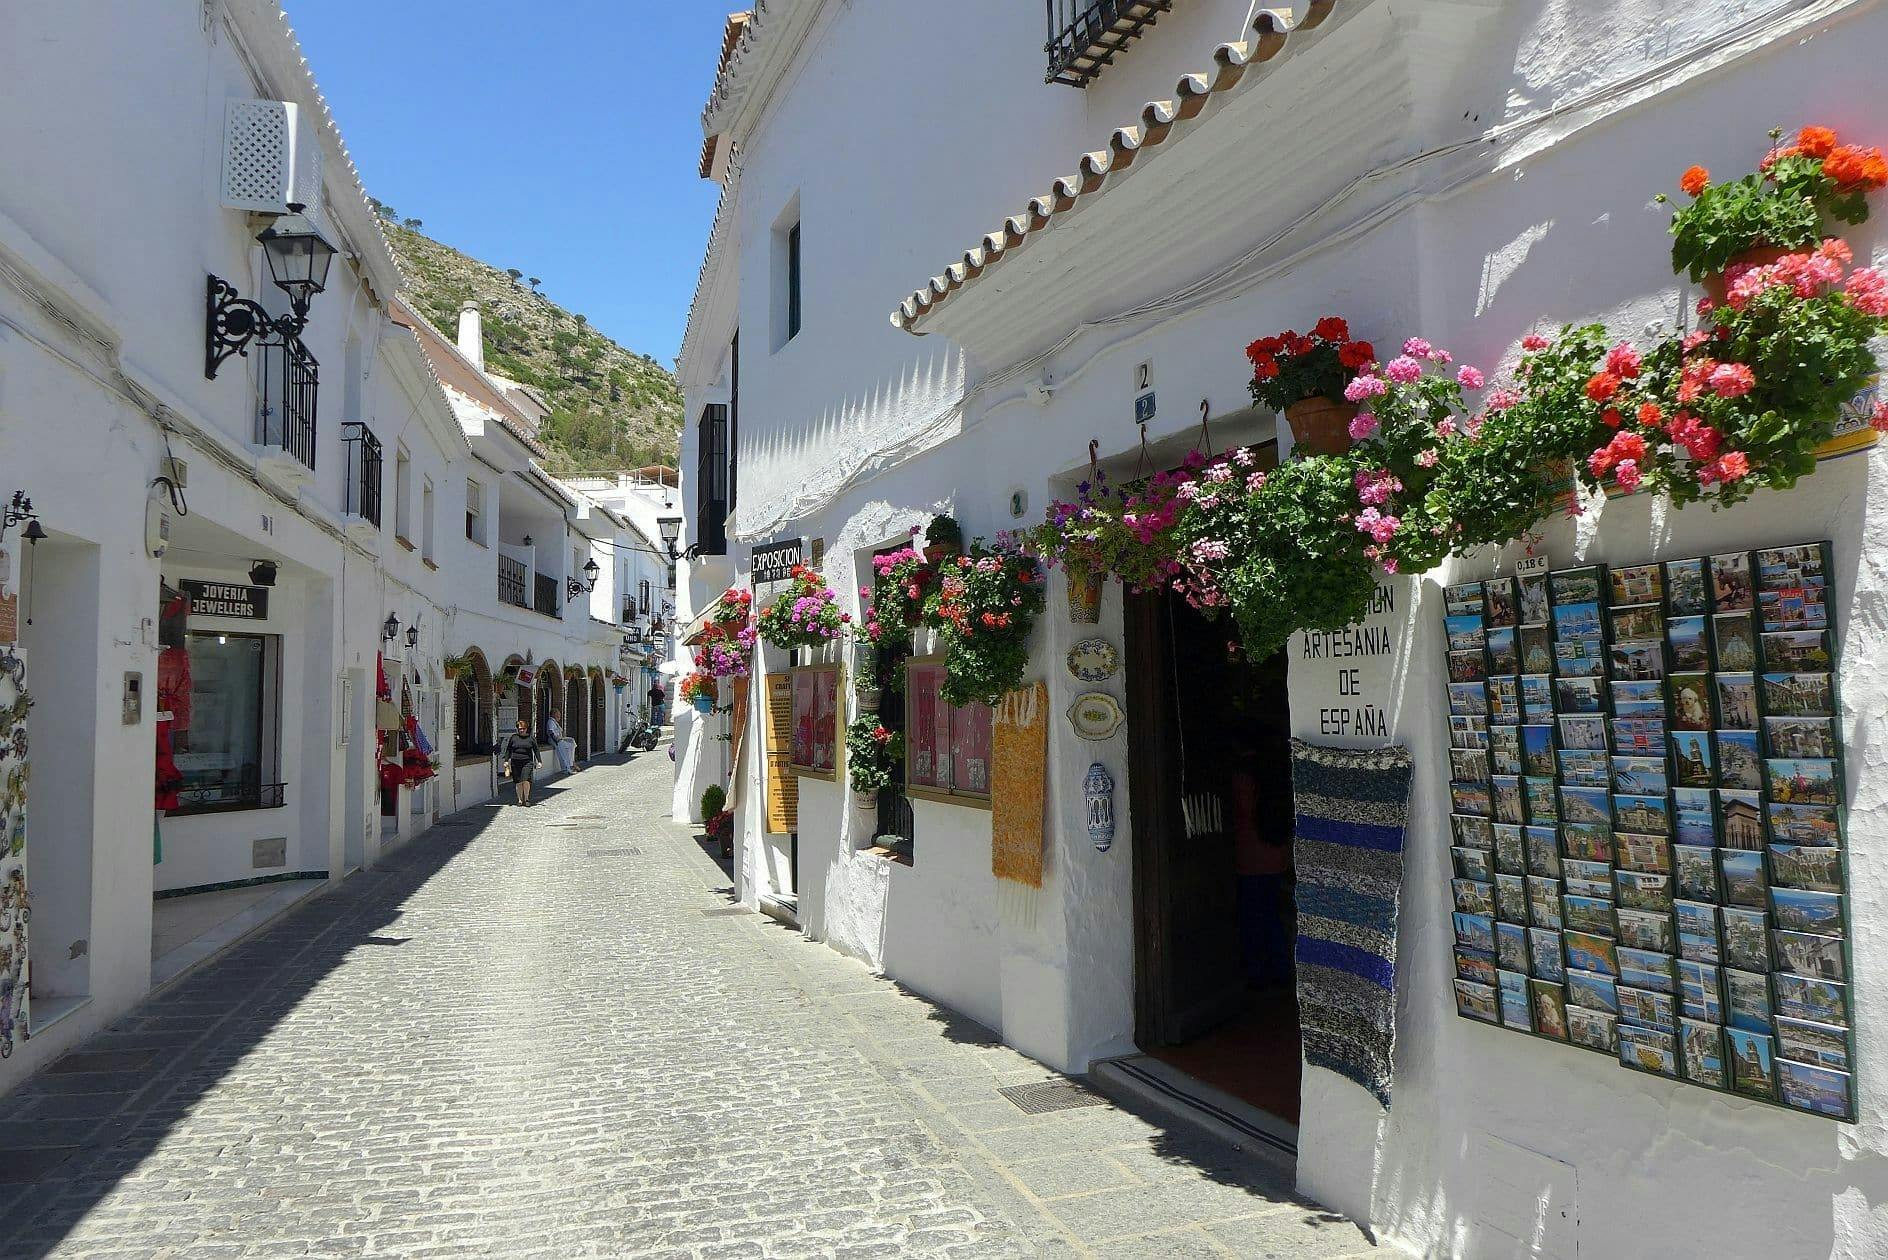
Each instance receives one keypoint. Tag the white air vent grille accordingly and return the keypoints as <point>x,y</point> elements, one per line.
<point>270,157</point>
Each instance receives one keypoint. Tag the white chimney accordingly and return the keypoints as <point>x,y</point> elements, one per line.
<point>472,335</point>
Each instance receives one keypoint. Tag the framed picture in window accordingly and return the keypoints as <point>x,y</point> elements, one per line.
<point>815,745</point>
<point>947,747</point>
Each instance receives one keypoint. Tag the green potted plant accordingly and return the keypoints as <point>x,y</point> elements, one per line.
<point>805,614</point>
<point>1125,532</point>
<point>1778,208</point>
<point>701,690</point>
<point>986,603</point>
<point>943,537</point>
<point>873,754</point>
<point>1304,377</point>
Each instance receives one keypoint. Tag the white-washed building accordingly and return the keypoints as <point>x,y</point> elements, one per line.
<point>279,548</point>
<point>530,564</point>
<point>1464,171</point>
<point>204,623</point>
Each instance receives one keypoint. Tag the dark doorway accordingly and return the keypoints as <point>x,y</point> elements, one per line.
<point>1210,786</point>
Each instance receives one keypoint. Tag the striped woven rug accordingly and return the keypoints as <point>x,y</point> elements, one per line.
<point>1351,806</point>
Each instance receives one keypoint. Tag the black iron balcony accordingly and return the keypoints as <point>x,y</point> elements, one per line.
<point>511,582</point>
<point>363,471</point>
<point>290,380</point>
<point>1086,35</point>
<point>545,595</point>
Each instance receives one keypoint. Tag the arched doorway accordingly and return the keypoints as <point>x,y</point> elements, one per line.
<point>549,695</point>
<point>473,696</point>
<point>599,714</point>
<point>576,713</point>
<point>510,701</point>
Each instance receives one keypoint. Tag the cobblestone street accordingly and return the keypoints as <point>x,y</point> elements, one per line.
<point>546,1032</point>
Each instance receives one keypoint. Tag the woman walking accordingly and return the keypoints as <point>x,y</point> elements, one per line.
<point>520,752</point>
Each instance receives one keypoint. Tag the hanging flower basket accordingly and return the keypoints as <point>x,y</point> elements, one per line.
<point>806,614</point>
<point>1320,426</point>
<point>1084,597</point>
<point>700,690</point>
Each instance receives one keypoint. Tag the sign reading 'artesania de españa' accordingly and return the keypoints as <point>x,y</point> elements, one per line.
<point>226,599</point>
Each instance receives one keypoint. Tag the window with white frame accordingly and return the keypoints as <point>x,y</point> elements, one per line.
<point>403,496</point>
<point>475,511</point>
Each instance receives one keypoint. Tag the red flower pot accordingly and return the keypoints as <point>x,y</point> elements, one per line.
<point>1320,426</point>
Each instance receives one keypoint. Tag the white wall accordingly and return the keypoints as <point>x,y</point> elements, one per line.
<point>1557,226</point>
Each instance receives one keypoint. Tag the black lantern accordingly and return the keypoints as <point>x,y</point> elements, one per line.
<point>299,257</point>
<point>262,573</point>
<point>671,527</point>
<point>391,629</point>
<point>412,636</point>
<point>590,572</point>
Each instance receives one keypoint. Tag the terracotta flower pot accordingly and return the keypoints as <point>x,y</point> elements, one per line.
<point>1085,598</point>
<point>1320,426</point>
<point>1715,286</point>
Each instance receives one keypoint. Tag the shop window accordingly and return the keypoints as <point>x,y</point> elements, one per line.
<point>226,744</point>
<point>947,747</point>
<point>815,748</point>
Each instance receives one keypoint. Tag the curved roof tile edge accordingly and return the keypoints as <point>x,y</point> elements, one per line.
<point>1271,29</point>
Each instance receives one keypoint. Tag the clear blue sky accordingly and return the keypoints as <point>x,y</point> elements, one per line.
<point>561,139</point>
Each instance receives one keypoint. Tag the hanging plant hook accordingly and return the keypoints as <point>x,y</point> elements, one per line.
<point>1206,437</point>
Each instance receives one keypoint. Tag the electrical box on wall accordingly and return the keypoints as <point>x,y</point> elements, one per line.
<point>133,698</point>
<point>271,157</point>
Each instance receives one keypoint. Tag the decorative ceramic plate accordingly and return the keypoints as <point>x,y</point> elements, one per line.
<point>1096,715</point>
<point>1093,660</point>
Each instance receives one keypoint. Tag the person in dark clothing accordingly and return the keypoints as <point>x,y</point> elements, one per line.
<point>520,753</point>
<point>656,698</point>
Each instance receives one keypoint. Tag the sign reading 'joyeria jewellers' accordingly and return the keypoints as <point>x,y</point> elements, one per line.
<point>226,599</point>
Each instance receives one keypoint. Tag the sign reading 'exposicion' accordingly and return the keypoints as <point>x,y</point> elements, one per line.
<point>774,562</point>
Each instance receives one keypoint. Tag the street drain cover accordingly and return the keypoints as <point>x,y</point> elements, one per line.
<point>586,815</point>
<point>1039,1097</point>
<point>102,1061</point>
<point>614,853</point>
<point>722,911</point>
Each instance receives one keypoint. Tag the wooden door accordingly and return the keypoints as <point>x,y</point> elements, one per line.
<point>1188,972</point>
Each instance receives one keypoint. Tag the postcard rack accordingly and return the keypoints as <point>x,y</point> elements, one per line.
<point>1648,849</point>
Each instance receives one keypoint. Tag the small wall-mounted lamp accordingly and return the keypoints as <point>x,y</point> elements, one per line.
<point>573,588</point>
<point>391,629</point>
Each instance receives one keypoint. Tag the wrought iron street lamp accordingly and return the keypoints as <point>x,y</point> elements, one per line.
<point>391,629</point>
<point>671,528</point>
<point>573,588</point>
<point>299,258</point>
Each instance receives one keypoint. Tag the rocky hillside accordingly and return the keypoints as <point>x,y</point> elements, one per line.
<point>612,408</point>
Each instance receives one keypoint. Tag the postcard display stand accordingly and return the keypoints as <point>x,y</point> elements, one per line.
<point>1648,850</point>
